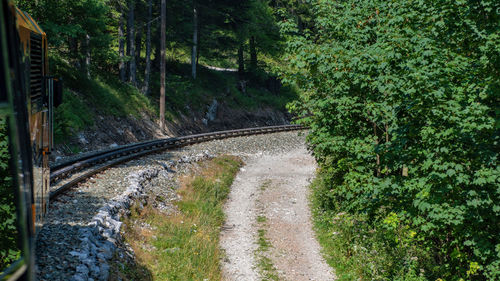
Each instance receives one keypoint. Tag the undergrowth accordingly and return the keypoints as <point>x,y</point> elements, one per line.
<point>359,249</point>
<point>86,98</point>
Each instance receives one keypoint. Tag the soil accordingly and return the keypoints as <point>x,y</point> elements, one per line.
<point>274,186</point>
<point>109,131</point>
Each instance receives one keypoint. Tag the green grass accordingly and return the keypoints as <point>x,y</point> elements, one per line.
<point>261,219</point>
<point>265,265</point>
<point>182,90</point>
<point>185,245</point>
<point>265,185</point>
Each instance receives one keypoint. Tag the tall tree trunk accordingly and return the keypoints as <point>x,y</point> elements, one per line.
<point>156,61</point>
<point>253,53</point>
<point>138,44</point>
<point>121,40</point>
<point>131,30</point>
<point>73,50</point>
<point>241,61</point>
<point>162,62</point>
<point>147,73</point>
<point>87,55</point>
<point>84,57</point>
<point>195,40</point>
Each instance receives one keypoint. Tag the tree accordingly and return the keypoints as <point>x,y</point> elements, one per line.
<point>121,40</point>
<point>163,62</point>
<point>195,41</point>
<point>131,42</point>
<point>147,73</point>
<point>401,98</point>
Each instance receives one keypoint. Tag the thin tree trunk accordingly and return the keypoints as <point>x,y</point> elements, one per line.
<point>131,30</point>
<point>195,40</point>
<point>253,53</point>
<point>241,60</point>
<point>147,73</point>
<point>121,41</point>
<point>87,55</point>
<point>138,44</point>
<point>162,62</point>
<point>198,53</point>
<point>156,61</point>
<point>73,50</point>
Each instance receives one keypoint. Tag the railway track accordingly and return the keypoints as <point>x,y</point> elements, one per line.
<point>99,161</point>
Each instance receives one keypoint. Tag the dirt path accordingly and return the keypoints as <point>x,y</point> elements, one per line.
<point>268,232</point>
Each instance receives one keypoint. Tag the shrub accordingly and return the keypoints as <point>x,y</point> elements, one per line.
<point>402,101</point>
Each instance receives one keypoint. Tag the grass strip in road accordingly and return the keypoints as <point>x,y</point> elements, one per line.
<point>185,245</point>
<point>265,265</point>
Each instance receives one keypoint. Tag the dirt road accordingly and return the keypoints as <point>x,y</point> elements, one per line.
<point>268,233</point>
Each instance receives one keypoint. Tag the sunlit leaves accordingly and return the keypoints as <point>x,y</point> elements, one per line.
<point>395,85</point>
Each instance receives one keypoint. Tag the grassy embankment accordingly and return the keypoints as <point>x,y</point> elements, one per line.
<point>184,245</point>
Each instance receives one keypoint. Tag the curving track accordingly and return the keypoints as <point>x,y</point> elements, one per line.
<point>125,153</point>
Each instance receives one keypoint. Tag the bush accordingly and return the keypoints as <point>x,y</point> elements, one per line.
<point>402,101</point>
<point>9,246</point>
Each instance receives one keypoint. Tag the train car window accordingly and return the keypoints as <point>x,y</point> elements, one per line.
<point>10,250</point>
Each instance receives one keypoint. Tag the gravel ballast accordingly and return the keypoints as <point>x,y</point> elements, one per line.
<point>74,216</point>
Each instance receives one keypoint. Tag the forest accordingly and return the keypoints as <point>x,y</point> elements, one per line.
<point>402,101</point>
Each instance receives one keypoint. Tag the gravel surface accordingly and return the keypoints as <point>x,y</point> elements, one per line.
<point>71,213</point>
<point>274,186</point>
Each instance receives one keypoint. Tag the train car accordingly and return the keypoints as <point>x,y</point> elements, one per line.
<point>27,99</point>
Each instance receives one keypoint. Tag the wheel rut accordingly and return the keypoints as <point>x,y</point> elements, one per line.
<point>268,231</point>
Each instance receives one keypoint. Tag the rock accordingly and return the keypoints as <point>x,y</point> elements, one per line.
<point>212,111</point>
<point>82,139</point>
<point>79,277</point>
<point>104,272</point>
<point>82,270</point>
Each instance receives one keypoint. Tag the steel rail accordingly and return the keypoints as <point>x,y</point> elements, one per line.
<point>126,153</point>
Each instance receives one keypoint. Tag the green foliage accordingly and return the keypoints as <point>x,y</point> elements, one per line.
<point>71,117</point>
<point>68,22</point>
<point>402,98</point>
<point>9,247</point>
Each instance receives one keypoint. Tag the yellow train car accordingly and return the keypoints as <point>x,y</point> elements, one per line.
<point>27,95</point>
<point>35,61</point>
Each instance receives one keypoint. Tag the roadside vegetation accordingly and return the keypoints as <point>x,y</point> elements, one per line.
<point>183,245</point>
<point>402,98</point>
